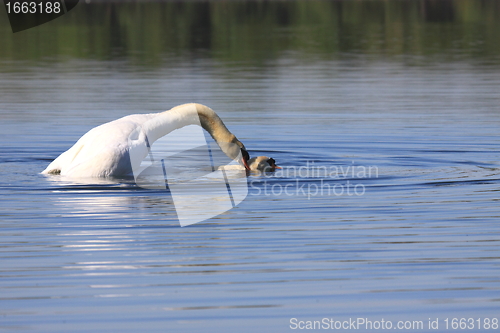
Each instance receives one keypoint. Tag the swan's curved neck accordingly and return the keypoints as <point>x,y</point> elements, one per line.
<point>193,114</point>
<point>212,123</point>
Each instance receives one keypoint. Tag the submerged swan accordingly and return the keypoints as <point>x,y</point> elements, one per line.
<point>262,164</point>
<point>104,151</point>
<point>259,164</point>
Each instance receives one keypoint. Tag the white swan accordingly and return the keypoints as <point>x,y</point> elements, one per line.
<point>104,150</point>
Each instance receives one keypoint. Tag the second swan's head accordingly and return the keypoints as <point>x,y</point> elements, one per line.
<point>262,164</point>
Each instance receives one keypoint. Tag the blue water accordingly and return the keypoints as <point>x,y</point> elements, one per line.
<point>419,240</point>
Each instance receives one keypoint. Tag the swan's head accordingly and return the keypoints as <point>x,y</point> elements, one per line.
<point>245,157</point>
<point>262,164</point>
<point>236,150</point>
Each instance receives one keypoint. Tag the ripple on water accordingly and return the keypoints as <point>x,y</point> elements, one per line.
<point>420,241</point>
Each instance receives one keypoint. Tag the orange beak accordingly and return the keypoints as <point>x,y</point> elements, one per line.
<point>245,163</point>
<point>244,158</point>
<point>272,163</point>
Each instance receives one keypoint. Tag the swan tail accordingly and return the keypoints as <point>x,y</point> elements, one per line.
<point>52,172</point>
<point>63,161</point>
<point>54,168</point>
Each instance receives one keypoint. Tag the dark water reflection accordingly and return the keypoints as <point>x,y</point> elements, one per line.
<point>420,242</point>
<point>149,32</point>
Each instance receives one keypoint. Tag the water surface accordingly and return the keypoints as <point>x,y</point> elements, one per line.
<point>420,241</point>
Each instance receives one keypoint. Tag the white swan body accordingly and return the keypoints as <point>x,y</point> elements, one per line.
<point>104,150</point>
